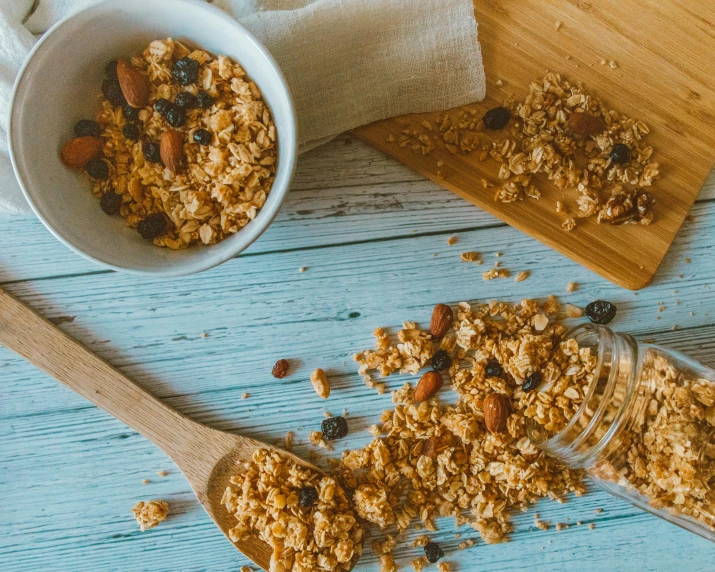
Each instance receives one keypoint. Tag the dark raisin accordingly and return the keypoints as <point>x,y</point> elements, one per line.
<point>497,118</point>
<point>601,312</point>
<point>152,226</point>
<point>532,382</point>
<point>186,100</point>
<point>494,369</point>
<point>433,552</point>
<point>87,128</point>
<point>151,152</point>
<point>112,91</point>
<point>163,105</point>
<point>186,71</point>
<point>308,496</point>
<point>280,370</point>
<point>202,137</point>
<point>204,99</point>
<point>131,131</point>
<point>110,202</point>
<point>110,70</point>
<point>130,113</point>
<point>441,360</point>
<point>621,154</point>
<point>334,428</point>
<point>176,117</point>
<point>98,169</point>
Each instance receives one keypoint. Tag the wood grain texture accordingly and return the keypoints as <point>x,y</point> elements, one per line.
<point>70,473</point>
<point>665,76</point>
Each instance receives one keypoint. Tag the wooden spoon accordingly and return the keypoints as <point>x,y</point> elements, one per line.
<point>207,457</point>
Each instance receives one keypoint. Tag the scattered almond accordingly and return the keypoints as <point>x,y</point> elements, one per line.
<point>171,149</point>
<point>586,125</point>
<point>76,153</point>
<point>442,319</point>
<point>430,383</point>
<point>320,383</point>
<point>134,84</point>
<point>540,322</point>
<point>497,409</point>
<point>573,311</point>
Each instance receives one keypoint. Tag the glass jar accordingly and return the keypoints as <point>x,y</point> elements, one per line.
<point>646,429</point>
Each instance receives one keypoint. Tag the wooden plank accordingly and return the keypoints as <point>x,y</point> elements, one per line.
<point>664,77</point>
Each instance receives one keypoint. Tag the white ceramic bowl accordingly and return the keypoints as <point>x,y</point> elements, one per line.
<point>58,85</point>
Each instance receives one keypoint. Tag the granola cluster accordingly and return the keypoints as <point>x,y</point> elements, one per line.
<point>267,499</point>
<point>150,513</point>
<point>436,460</point>
<point>225,180</point>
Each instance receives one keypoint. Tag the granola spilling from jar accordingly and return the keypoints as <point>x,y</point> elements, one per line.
<point>184,146</point>
<point>304,517</point>
<point>508,365</point>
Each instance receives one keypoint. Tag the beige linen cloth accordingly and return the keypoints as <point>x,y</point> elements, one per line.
<point>347,62</point>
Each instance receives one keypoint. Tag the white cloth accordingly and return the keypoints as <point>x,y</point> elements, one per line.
<point>347,62</point>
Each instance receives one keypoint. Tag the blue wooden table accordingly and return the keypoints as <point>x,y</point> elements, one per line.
<point>366,229</point>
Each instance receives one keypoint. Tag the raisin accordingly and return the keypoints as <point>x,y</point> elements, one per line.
<point>497,118</point>
<point>151,152</point>
<point>176,117</point>
<point>186,100</point>
<point>532,382</point>
<point>112,91</point>
<point>601,312</point>
<point>110,70</point>
<point>441,360</point>
<point>308,496</point>
<point>131,131</point>
<point>98,169</point>
<point>334,428</point>
<point>87,128</point>
<point>620,154</point>
<point>186,71</point>
<point>494,369</point>
<point>203,137</point>
<point>130,113</point>
<point>204,99</point>
<point>433,552</point>
<point>152,226</point>
<point>163,105</point>
<point>110,202</point>
<point>280,370</point>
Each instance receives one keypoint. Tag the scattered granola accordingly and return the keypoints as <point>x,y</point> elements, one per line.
<point>150,513</point>
<point>496,273</point>
<point>571,287</point>
<point>471,257</point>
<point>523,275</point>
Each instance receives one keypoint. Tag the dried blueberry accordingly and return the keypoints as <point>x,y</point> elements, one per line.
<point>202,137</point>
<point>620,154</point>
<point>204,99</point>
<point>151,152</point>
<point>130,113</point>
<point>163,105</point>
<point>532,382</point>
<point>497,118</point>
<point>112,91</point>
<point>334,428</point>
<point>110,202</point>
<point>601,312</point>
<point>186,100</point>
<point>494,369</point>
<point>176,117</point>
<point>110,70</point>
<point>308,496</point>
<point>87,128</point>
<point>441,360</point>
<point>131,131</point>
<point>433,552</point>
<point>152,226</point>
<point>186,71</point>
<point>98,169</point>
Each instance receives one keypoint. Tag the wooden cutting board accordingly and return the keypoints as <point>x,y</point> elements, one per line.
<point>665,53</point>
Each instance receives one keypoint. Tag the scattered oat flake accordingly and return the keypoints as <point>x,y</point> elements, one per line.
<point>496,273</point>
<point>146,481</point>
<point>470,256</point>
<point>523,275</point>
<point>288,440</point>
<point>542,524</point>
<point>591,526</point>
<point>571,287</point>
<point>451,240</point>
<point>245,395</point>
<point>500,83</point>
<point>246,569</point>
<point>162,473</point>
<point>558,25</point>
<point>203,334</point>
<point>302,269</point>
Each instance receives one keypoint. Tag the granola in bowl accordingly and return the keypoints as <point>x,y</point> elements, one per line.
<point>184,147</point>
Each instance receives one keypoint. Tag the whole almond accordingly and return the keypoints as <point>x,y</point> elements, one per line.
<point>442,320</point>
<point>134,84</point>
<point>586,125</point>
<point>76,153</point>
<point>430,383</point>
<point>171,149</point>
<point>497,409</point>
<point>320,383</point>
<point>429,448</point>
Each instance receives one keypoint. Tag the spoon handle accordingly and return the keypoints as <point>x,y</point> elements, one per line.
<point>52,350</point>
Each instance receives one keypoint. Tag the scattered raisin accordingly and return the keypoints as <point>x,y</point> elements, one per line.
<point>186,71</point>
<point>433,552</point>
<point>441,360</point>
<point>334,428</point>
<point>87,128</point>
<point>163,105</point>
<point>186,100</point>
<point>110,70</point>
<point>532,382</point>
<point>308,496</point>
<point>130,113</point>
<point>497,118</point>
<point>494,369</point>
<point>601,312</point>
<point>98,169</point>
<point>112,91</point>
<point>110,202</point>
<point>152,226</point>
<point>202,137</point>
<point>620,154</point>
<point>131,131</point>
<point>204,99</point>
<point>151,152</point>
<point>280,370</point>
<point>176,117</point>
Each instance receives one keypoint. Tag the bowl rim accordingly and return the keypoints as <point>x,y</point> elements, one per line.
<point>288,142</point>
